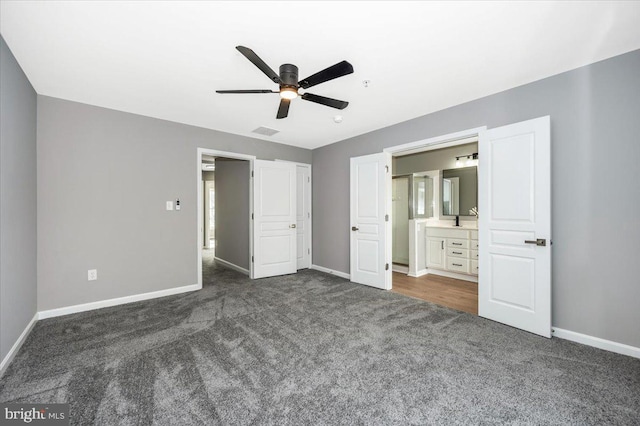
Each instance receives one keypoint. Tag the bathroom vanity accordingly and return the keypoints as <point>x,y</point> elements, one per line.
<point>452,249</point>
<point>442,249</point>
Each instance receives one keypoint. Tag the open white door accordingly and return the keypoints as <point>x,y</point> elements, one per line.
<point>514,202</point>
<point>370,221</point>
<point>274,227</point>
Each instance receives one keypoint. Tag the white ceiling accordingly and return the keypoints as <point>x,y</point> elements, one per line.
<point>166,59</point>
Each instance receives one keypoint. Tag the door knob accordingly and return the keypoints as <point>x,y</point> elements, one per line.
<point>293,225</point>
<point>354,228</point>
<point>539,242</point>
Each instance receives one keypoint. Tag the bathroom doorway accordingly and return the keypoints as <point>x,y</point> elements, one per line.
<point>434,224</point>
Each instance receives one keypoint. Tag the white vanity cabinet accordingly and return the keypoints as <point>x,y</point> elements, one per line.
<point>451,249</point>
<point>436,252</point>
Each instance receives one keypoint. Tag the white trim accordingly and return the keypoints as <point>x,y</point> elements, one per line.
<point>16,346</point>
<point>448,274</point>
<point>232,266</point>
<point>117,301</point>
<point>443,141</point>
<point>400,268</point>
<point>331,271</point>
<point>419,273</point>
<point>596,342</point>
<point>213,152</point>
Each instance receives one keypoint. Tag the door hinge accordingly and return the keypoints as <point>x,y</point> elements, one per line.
<point>386,218</point>
<point>251,173</point>
<point>251,216</point>
<point>309,215</point>
<point>386,267</point>
<point>308,251</point>
<point>251,259</point>
<point>386,168</point>
<point>309,179</point>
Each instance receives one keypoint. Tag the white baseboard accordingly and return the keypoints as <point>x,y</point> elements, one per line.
<point>400,268</point>
<point>331,271</point>
<point>114,302</point>
<point>607,345</point>
<point>16,346</point>
<point>464,277</point>
<point>232,265</point>
<point>418,274</point>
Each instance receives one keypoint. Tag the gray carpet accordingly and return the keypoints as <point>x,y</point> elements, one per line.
<point>312,348</point>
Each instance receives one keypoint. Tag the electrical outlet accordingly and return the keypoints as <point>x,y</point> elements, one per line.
<point>92,274</point>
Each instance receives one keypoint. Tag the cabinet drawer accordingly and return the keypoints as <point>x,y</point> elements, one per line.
<point>447,232</point>
<point>474,255</point>
<point>455,243</point>
<point>457,252</point>
<point>474,267</point>
<point>474,244</point>
<point>458,265</point>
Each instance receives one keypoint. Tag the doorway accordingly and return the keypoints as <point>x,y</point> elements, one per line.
<point>434,197</point>
<point>238,256</point>
<point>226,212</point>
<point>262,208</point>
<point>514,225</point>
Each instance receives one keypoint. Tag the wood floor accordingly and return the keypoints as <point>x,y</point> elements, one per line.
<point>449,292</point>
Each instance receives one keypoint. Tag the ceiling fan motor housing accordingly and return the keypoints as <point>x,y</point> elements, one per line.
<point>289,76</point>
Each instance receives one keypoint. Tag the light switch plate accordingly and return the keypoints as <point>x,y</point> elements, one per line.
<point>169,205</point>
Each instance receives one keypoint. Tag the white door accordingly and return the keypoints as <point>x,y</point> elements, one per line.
<point>514,202</point>
<point>303,216</point>
<point>274,227</point>
<point>370,225</point>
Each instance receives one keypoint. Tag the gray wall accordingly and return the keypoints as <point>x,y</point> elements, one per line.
<point>98,208</point>
<point>438,159</point>
<point>17,200</point>
<point>595,188</point>
<point>232,212</point>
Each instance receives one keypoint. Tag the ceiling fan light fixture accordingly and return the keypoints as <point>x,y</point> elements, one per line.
<point>288,93</point>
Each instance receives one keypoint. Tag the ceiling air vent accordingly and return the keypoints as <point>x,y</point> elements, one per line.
<point>265,131</point>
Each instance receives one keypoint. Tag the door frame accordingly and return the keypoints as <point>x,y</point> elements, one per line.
<point>429,144</point>
<point>310,186</point>
<point>199,223</point>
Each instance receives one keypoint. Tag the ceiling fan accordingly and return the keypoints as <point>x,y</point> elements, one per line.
<point>289,83</point>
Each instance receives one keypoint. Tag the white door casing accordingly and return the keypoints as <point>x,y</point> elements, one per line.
<point>274,193</point>
<point>303,215</point>
<point>370,185</point>
<point>514,202</point>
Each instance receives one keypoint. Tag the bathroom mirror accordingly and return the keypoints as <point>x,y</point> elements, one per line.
<point>422,197</point>
<point>459,191</point>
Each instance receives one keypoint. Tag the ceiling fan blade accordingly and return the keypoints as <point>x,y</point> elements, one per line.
<point>283,109</point>
<point>333,103</point>
<point>255,59</point>
<point>247,91</point>
<point>334,71</point>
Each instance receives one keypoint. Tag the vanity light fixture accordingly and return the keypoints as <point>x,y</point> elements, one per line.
<point>469,160</point>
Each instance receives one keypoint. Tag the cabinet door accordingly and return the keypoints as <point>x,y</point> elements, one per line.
<point>435,252</point>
